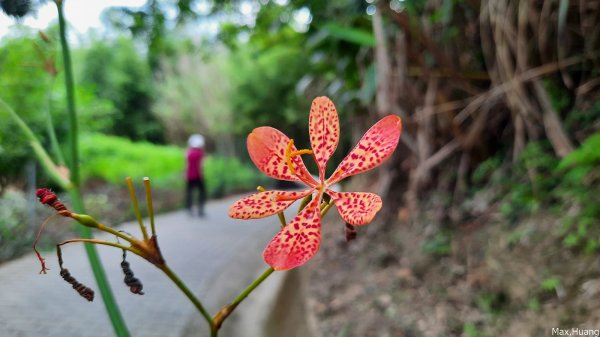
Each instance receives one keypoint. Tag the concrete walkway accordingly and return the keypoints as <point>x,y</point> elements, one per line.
<point>216,256</point>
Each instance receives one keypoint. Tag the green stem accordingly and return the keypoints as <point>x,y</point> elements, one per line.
<point>38,150</point>
<point>107,296</point>
<point>305,202</point>
<point>228,309</point>
<point>136,208</point>
<point>70,89</point>
<point>116,233</point>
<point>149,203</point>
<point>102,242</point>
<point>281,217</point>
<point>251,288</point>
<point>187,292</point>
<point>50,127</point>
<point>326,208</point>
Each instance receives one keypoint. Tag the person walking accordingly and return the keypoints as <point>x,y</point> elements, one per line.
<point>194,174</point>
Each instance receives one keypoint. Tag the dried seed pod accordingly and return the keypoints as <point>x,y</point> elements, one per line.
<point>47,197</point>
<point>83,290</point>
<point>134,284</point>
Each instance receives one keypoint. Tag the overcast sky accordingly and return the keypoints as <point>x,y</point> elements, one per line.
<point>81,14</point>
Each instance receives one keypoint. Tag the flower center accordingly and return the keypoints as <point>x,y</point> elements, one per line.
<point>289,154</point>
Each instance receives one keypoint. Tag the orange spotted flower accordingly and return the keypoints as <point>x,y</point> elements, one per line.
<point>276,156</point>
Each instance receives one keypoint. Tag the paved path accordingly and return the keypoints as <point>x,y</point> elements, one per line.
<point>216,256</point>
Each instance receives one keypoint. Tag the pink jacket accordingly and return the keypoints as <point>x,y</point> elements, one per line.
<point>194,164</point>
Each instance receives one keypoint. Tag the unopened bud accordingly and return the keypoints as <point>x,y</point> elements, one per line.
<point>350,232</point>
<point>85,220</point>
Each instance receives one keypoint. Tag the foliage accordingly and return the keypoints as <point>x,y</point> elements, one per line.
<point>19,223</point>
<point>439,244</point>
<point>118,74</point>
<point>532,181</point>
<point>586,156</point>
<point>15,233</point>
<point>470,330</point>
<point>29,85</point>
<point>274,98</point>
<point>580,195</point>
<point>570,186</point>
<point>193,96</point>
<point>239,176</point>
<point>550,283</point>
<point>113,158</point>
<point>149,23</point>
<point>23,84</point>
<point>486,169</point>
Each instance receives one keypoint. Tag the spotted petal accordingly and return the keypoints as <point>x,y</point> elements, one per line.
<point>267,146</point>
<point>264,204</point>
<point>377,145</point>
<point>297,242</point>
<point>356,208</point>
<point>324,130</point>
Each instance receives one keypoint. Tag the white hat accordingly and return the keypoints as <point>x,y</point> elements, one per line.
<point>196,141</point>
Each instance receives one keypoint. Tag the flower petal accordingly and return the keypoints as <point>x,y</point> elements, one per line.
<point>297,242</point>
<point>263,204</point>
<point>376,145</point>
<point>356,208</point>
<point>266,146</point>
<point>324,130</point>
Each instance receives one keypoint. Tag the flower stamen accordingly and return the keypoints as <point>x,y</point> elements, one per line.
<point>289,155</point>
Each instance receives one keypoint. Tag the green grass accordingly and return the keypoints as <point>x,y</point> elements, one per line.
<point>112,159</point>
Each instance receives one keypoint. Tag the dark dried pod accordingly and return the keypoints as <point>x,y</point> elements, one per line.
<point>134,284</point>
<point>350,232</point>
<point>47,197</point>
<point>83,291</point>
<point>15,8</point>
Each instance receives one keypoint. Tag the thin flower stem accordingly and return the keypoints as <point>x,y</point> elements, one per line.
<point>102,242</point>
<point>226,310</point>
<point>251,287</point>
<point>188,293</point>
<point>136,208</point>
<point>305,202</point>
<point>327,208</point>
<point>149,203</point>
<point>116,233</point>
<point>281,217</point>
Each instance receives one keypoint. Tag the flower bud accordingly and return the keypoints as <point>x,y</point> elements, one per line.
<point>85,220</point>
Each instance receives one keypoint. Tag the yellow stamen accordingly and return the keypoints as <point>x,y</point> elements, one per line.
<point>260,189</point>
<point>288,157</point>
<point>301,152</point>
<point>289,154</point>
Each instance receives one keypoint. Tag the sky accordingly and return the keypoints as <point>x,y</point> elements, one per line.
<point>81,14</point>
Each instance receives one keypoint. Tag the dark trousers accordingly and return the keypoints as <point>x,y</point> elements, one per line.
<point>189,194</point>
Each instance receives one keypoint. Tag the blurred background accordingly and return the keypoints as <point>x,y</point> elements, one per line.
<point>491,215</point>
